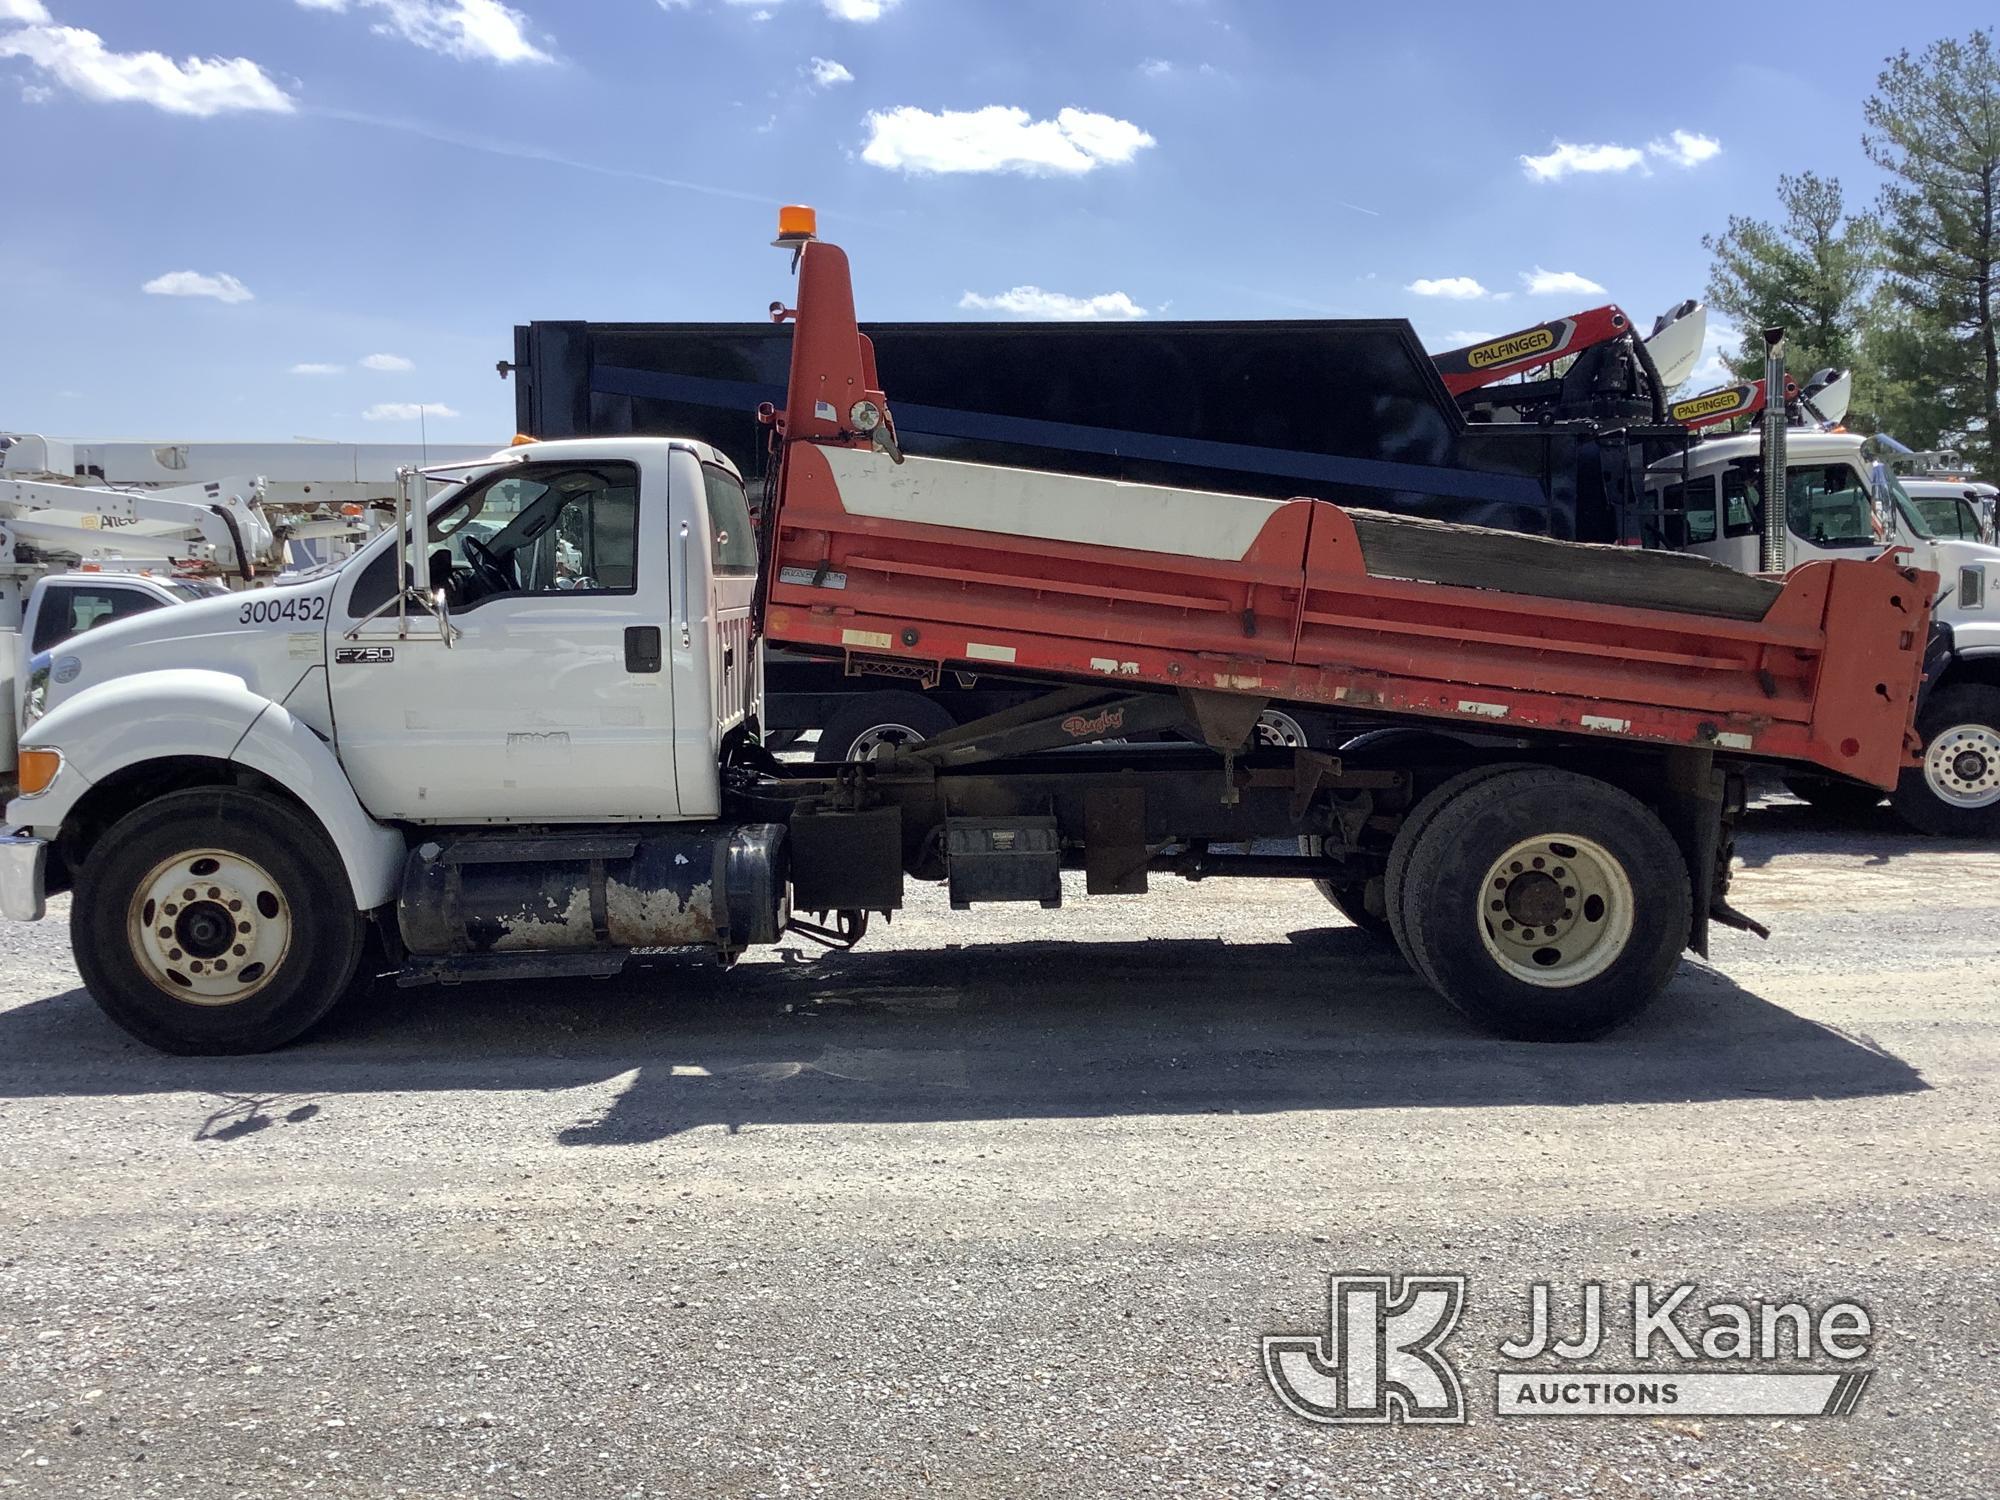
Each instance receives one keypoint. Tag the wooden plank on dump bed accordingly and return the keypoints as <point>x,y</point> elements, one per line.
<point>1586,573</point>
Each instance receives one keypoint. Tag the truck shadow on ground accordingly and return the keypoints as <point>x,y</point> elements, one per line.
<point>1327,1020</point>
<point>1774,828</point>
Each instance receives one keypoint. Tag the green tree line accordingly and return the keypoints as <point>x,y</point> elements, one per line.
<point>1903,291</point>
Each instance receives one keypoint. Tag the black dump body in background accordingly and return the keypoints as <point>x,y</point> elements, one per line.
<point>1348,411</point>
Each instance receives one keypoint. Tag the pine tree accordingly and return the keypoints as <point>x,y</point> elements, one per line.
<point>1811,273</point>
<point>1934,126</point>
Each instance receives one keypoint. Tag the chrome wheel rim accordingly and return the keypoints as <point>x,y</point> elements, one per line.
<point>870,740</point>
<point>1275,727</point>
<point>1555,911</point>
<point>1962,765</point>
<point>209,927</point>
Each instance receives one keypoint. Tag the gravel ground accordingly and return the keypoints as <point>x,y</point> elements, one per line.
<point>998,1205</point>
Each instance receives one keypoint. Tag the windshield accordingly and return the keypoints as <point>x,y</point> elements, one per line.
<point>1906,508</point>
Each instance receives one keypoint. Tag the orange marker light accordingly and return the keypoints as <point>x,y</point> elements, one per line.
<point>521,439</point>
<point>796,222</point>
<point>37,769</point>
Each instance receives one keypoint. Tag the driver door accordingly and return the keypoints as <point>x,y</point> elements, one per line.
<point>552,702</point>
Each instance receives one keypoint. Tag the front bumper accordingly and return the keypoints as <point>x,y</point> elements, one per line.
<point>24,866</point>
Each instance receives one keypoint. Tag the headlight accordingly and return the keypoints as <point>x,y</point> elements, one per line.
<point>36,702</point>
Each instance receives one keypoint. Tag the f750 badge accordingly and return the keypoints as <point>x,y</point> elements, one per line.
<point>362,656</point>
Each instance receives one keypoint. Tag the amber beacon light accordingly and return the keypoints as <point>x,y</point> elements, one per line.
<point>796,224</point>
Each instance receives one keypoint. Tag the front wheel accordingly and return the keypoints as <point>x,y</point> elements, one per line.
<point>1545,905</point>
<point>214,920</point>
<point>1955,793</point>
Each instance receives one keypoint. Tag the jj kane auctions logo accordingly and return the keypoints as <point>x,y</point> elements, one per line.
<point>1383,1356</point>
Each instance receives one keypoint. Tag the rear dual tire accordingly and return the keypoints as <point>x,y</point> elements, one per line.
<point>1545,905</point>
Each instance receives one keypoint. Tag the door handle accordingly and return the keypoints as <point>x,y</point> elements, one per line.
<point>642,648</point>
<point>686,585</point>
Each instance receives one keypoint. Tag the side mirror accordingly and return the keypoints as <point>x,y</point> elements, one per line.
<point>1881,498</point>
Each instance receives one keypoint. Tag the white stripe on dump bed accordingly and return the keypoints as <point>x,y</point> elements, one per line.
<point>1051,507</point>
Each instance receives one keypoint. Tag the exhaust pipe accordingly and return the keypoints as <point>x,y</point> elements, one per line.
<point>1771,548</point>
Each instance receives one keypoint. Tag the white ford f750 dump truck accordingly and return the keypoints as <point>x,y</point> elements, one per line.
<point>517,733</point>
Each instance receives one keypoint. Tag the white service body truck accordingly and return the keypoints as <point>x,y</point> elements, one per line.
<point>1840,503</point>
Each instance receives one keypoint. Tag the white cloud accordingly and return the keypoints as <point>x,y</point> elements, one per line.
<point>1685,148</point>
<point>1542,283</point>
<point>389,362</point>
<point>1458,288</point>
<point>34,93</point>
<point>1566,158</point>
<point>825,73</point>
<point>31,12</point>
<point>485,30</point>
<point>858,10</point>
<point>313,368</point>
<point>405,411</point>
<point>1033,302</point>
<point>1459,338</point>
<point>999,138</point>
<point>1156,67</point>
<point>221,286</point>
<point>79,61</point>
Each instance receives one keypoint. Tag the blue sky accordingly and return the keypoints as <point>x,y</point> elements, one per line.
<point>341,207</point>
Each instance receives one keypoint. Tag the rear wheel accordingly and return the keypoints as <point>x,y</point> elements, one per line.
<point>1362,902</point>
<point>1955,793</point>
<point>858,728</point>
<point>1545,905</point>
<point>215,920</point>
<point>1396,878</point>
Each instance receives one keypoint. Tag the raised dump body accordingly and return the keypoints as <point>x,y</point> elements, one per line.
<point>918,567</point>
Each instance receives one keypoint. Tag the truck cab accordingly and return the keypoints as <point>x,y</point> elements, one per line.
<point>1957,508</point>
<point>589,650</point>
<point>1840,503</point>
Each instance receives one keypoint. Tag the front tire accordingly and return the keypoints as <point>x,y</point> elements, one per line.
<point>214,921</point>
<point>1955,793</point>
<point>1545,905</point>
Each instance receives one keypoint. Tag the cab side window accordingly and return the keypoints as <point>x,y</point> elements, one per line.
<point>1741,510</point>
<point>550,528</point>
<point>1828,505</point>
<point>732,542</point>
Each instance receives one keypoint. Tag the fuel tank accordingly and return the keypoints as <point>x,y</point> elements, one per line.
<point>719,886</point>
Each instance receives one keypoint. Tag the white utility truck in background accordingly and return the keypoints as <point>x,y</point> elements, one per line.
<point>1840,502</point>
<point>320,494</point>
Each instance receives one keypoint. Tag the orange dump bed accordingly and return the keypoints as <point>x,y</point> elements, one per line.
<point>937,566</point>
